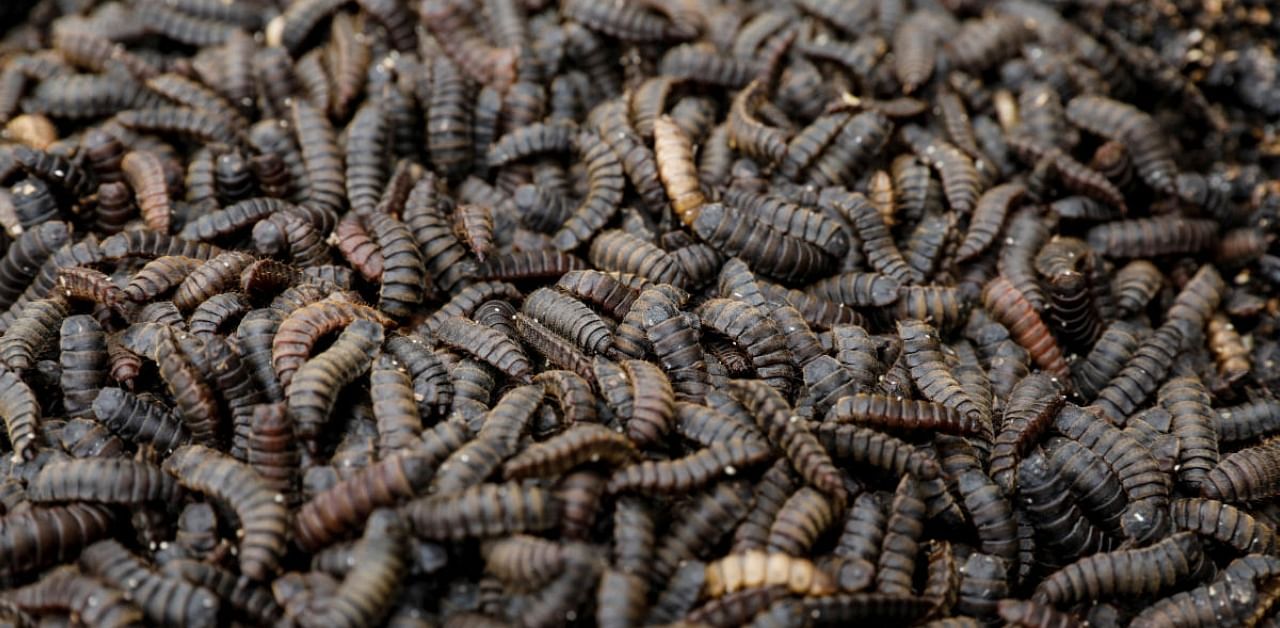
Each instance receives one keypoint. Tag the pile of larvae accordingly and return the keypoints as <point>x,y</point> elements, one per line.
<point>459,313</point>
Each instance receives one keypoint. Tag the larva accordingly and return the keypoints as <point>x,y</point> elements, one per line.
<point>900,414</point>
<point>487,344</point>
<point>675,342</point>
<point>161,597</point>
<point>960,177</point>
<point>1187,401</point>
<point>1137,571</point>
<point>1145,486</point>
<point>388,482</point>
<point>368,590</point>
<point>874,236</point>
<point>247,598</point>
<point>570,318</point>
<point>1153,237</point>
<point>1225,523</point>
<point>85,596</point>
<point>21,413</point>
<point>758,568</point>
<point>196,404</point>
<point>102,480</point>
<point>1138,131</point>
<point>902,533</point>
<point>688,473</point>
<point>314,387</point>
<point>33,329</point>
<point>1247,420</point>
<point>272,451</point>
<point>1063,526</point>
<point>404,275</point>
<point>988,217</point>
<point>468,513</point>
<point>1091,480</point>
<point>928,369</point>
<point>306,325</point>
<point>1247,474</point>
<point>1028,413</point>
<point>754,333</point>
<point>1012,308</point>
<point>261,511</point>
<point>603,196</point>
<point>139,420</point>
<point>393,405</point>
<point>1110,353</point>
<point>617,250</point>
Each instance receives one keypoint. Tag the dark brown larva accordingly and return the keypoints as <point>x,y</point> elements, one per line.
<point>66,590</point>
<point>1225,523</point>
<point>21,412</point>
<point>620,251</point>
<point>988,217</point>
<point>329,515</point>
<point>469,514</point>
<point>905,525</point>
<point>936,381</point>
<point>683,475</point>
<point>304,326</point>
<point>1141,135</point>
<point>558,351</point>
<point>876,241</point>
<point>34,328</point>
<point>368,590</point>
<point>1147,570</point>
<point>161,597</point>
<point>1248,474</point>
<point>1011,308</point>
<point>1211,603</point>
<point>1029,614</point>
<point>1187,401</point>
<point>1153,237</point>
<point>1135,466</point>
<point>1028,413</point>
<point>739,354</point>
<point>901,414</point>
<point>960,177</point>
<point>248,599</point>
<point>580,443</point>
<point>569,318</point>
<point>109,481</point>
<point>404,274</point>
<point>314,389</point>
<point>1246,421</point>
<point>261,511</point>
<point>486,344</point>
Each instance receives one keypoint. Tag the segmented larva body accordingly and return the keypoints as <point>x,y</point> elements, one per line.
<point>757,568</point>
<point>261,511</point>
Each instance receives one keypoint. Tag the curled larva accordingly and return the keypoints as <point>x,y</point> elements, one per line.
<point>262,512</point>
